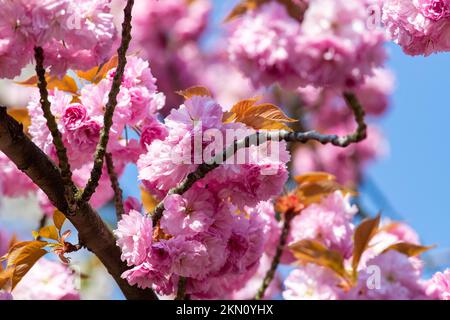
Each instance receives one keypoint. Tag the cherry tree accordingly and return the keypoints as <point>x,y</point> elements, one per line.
<point>250,152</point>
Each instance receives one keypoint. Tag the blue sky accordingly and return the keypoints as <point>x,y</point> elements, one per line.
<point>415,176</point>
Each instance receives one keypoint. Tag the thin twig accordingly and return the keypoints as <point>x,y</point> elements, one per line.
<point>100,151</point>
<point>118,194</point>
<point>61,151</point>
<point>261,137</point>
<point>276,259</point>
<point>181,291</point>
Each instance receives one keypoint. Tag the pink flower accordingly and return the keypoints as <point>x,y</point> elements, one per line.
<point>74,116</point>
<point>389,276</point>
<point>13,182</point>
<point>151,131</point>
<point>146,276</point>
<point>263,45</point>
<point>73,34</point>
<point>435,9</point>
<point>196,111</point>
<point>134,237</point>
<point>420,27</point>
<point>439,285</point>
<point>312,282</point>
<point>132,204</point>
<point>48,280</point>
<point>329,222</point>
<point>5,295</point>
<point>189,214</point>
<point>189,258</point>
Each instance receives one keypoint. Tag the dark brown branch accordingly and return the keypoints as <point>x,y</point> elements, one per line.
<point>118,194</point>
<point>92,231</point>
<point>264,136</point>
<point>181,290</point>
<point>61,151</point>
<point>276,259</point>
<point>99,157</point>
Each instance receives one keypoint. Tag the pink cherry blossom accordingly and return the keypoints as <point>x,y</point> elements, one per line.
<point>329,222</point>
<point>420,27</point>
<point>399,279</point>
<point>189,214</point>
<point>312,282</point>
<point>439,285</point>
<point>48,280</point>
<point>134,236</point>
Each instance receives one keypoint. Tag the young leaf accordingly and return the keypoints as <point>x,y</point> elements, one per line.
<point>312,251</point>
<point>97,74</point>
<point>259,117</point>
<point>22,116</point>
<point>314,177</point>
<point>409,249</point>
<point>295,9</point>
<point>49,232</point>
<point>66,84</point>
<point>25,262</point>
<point>5,277</point>
<point>58,219</point>
<point>195,91</point>
<point>22,249</point>
<point>313,187</point>
<point>149,202</point>
<point>363,234</point>
<point>22,257</point>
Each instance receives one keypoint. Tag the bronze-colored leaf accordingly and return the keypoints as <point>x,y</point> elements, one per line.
<point>314,186</point>
<point>295,8</point>
<point>22,116</point>
<point>22,257</point>
<point>24,263</point>
<point>363,234</point>
<point>5,277</point>
<point>314,177</point>
<point>195,91</point>
<point>58,219</point>
<point>66,84</point>
<point>148,200</point>
<point>97,74</point>
<point>243,7</point>
<point>312,251</point>
<point>49,232</point>
<point>259,117</point>
<point>21,249</point>
<point>409,249</point>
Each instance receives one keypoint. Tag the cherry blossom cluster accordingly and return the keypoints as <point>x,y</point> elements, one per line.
<point>80,119</point>
<point>420,27</point>
<point>330,45</point>
<point>167,34</point>
<point>382,275</point>
<point>215,234</point>
<point>74,34</point>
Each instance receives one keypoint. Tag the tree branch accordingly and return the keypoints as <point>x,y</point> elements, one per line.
<point>181,290</point>
<point>118,194</point>
<point>100,151</point>
<point>276,259</point>
<point>61,151</point>
<point>93,232</point>
<point>264,136</point>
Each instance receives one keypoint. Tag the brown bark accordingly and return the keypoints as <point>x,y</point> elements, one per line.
<point>93,232</point>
